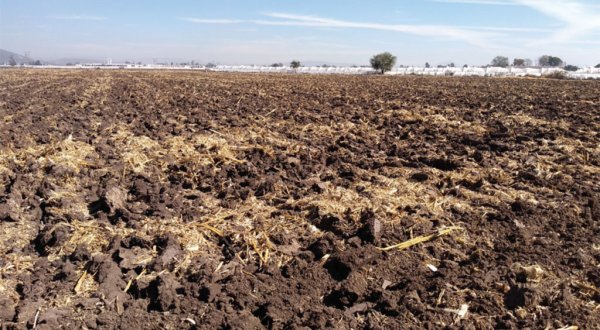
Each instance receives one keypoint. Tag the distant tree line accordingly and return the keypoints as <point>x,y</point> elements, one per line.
<point>547,60</point>
<point>522,62</point>
<point>384,62</point>
<point>13,62</point>
<point>544,61</point>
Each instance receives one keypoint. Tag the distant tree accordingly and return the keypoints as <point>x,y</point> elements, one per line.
<point>500,61</point>
<point>277,65</point>
<point>427,65</point>
<point>571,68</point>
<point>12,61</point>
<point>383,62</point>
<point>37,62</point>
<point>555,61</point>
<point>69,64</point>
<point>597,66</point>
<point>465,66</point>
<point>210,65</point>
<point>547,60</point>
<point>451,65</point>
<point>295,64</point>
<point>519,62</point>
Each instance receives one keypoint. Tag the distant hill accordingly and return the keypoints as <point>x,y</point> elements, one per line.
<point>5,56</point>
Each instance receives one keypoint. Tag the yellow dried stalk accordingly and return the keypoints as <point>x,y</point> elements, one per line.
<point>77,288</point>
<point>130,282</point>
<point>421,239</point>
<point>587,288</point>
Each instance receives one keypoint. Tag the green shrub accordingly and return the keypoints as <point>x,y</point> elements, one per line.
<point>571,68</point>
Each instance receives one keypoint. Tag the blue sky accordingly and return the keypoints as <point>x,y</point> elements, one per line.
<point>334,31</point>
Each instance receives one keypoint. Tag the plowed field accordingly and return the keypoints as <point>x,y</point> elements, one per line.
<point>145,200</point>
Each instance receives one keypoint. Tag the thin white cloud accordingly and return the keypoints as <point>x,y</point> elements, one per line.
<point>479,2</point>
<point>469,35</point>
<point>78,17</point>
<point>579,18</point>
<point>505,29</point>
<point>472,37</point>
<point>211,21</point>
<point>585,42</point>
<point>575,18</point>
<point>312,21</point>
<point>246,30</point>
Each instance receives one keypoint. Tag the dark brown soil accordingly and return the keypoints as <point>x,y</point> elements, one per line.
<point>170,200</point>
